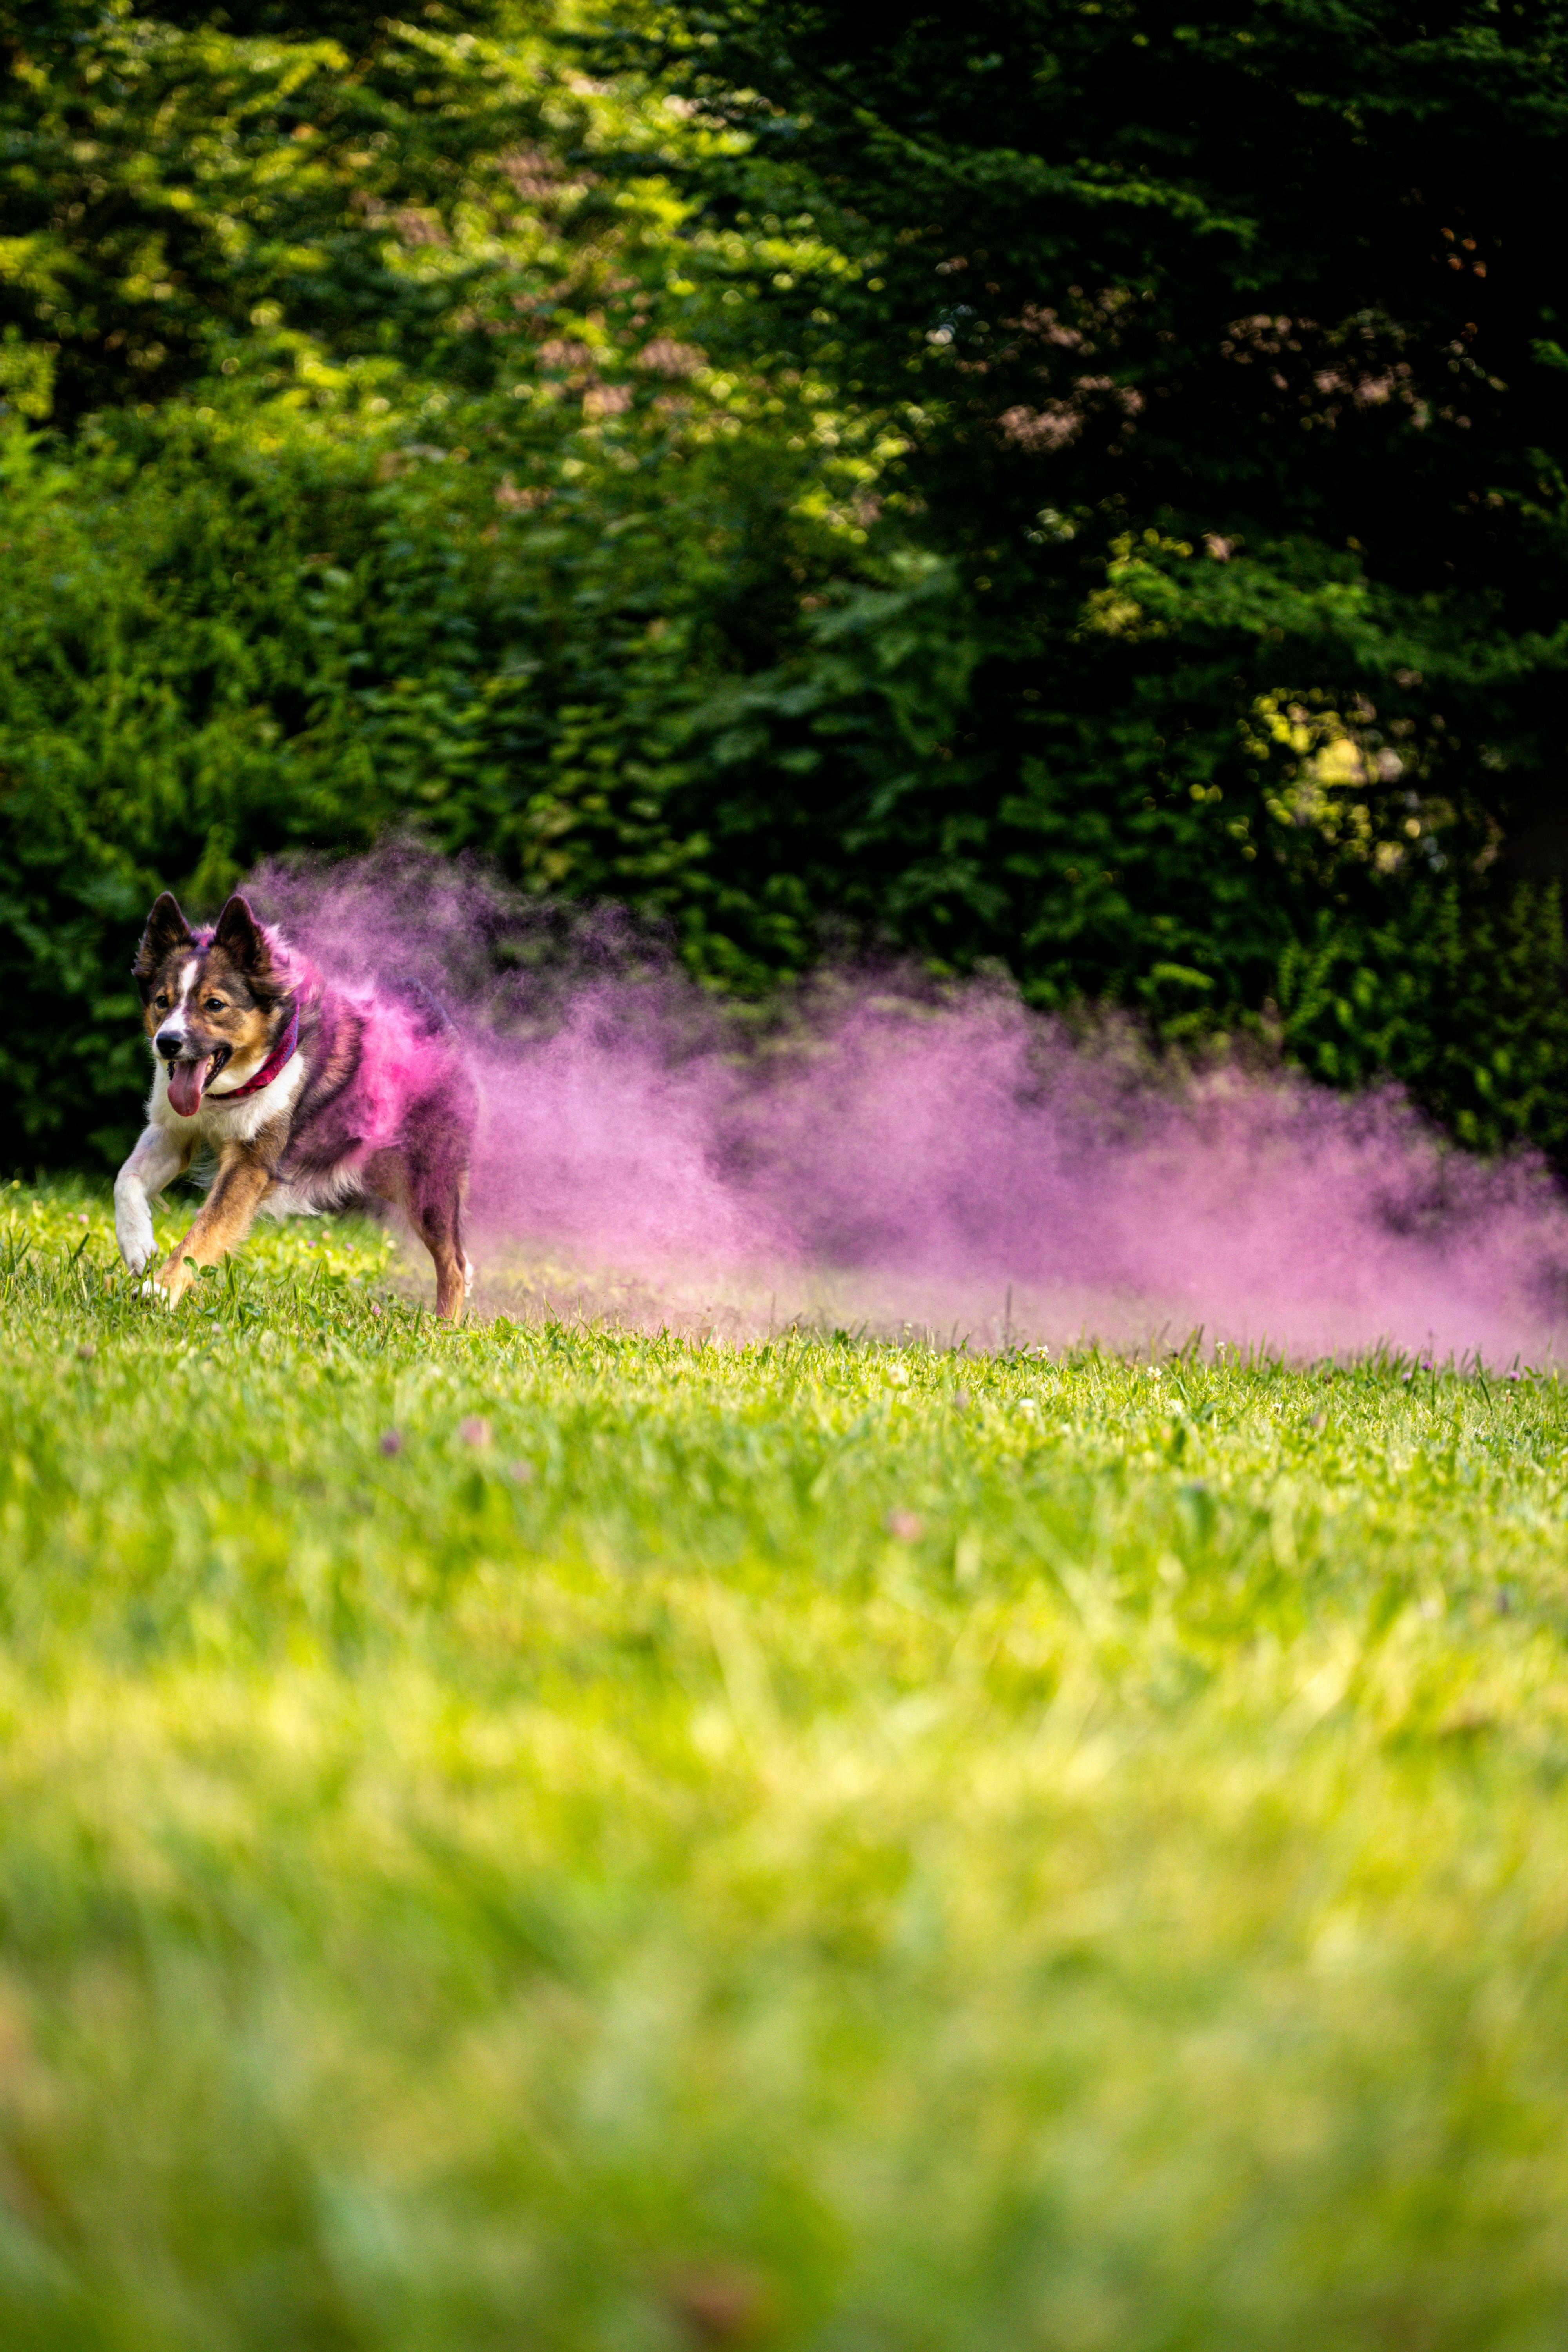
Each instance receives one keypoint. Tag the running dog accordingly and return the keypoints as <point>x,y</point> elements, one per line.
<point>311,1098</point>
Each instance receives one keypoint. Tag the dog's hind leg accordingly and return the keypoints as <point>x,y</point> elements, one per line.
<point>443,1233</point>
<point>158,1159</point>
<point>436,1208</point>
<point>240,1186</point>
<point>430,1194</point>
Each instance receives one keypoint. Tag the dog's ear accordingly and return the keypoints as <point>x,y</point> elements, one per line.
<point>166,930</point>
<point>249,946</point>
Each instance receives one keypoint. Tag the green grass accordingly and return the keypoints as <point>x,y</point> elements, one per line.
<point>814,1845</point>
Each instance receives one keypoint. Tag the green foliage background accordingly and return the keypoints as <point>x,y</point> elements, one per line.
<point>1073,490</point>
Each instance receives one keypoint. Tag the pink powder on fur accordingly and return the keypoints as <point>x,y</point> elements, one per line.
<point>394,1067</point>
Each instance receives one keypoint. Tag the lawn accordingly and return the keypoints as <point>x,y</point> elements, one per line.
<point>545,1837</point>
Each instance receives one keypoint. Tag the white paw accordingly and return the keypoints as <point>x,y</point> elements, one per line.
<point>156,1290</point>
<point>468,1275</point>
<point>135,1234</point>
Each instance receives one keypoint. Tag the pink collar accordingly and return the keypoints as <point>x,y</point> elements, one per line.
<point>282,1052</point>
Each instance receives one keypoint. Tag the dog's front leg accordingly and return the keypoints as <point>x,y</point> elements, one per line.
<point>157,1159</point>
<point>242,1183</point>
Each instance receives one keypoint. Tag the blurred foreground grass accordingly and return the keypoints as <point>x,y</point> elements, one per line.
<point>534,1837</point>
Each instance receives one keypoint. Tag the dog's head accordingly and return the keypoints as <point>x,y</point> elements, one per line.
<point>210,998</point>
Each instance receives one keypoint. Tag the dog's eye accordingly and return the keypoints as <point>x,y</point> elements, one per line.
<point>162,1002</point>
<point>214,1004</point>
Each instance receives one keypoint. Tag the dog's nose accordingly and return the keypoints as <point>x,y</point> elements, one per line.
<point>169,1042</point>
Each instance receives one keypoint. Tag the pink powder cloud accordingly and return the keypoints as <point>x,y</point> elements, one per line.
<point>950,1148</point>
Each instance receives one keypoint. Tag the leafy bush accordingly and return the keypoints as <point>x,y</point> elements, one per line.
<point>709,507</point>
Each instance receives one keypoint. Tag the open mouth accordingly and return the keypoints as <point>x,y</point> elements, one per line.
<point>188,1081</point>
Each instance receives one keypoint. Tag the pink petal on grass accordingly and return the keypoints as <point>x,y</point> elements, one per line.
<point>392,1441</point>
<point>475,1430</point>
<point>906,1525</point>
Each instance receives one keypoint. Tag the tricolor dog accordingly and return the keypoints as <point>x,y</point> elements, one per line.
<point>308,1096</point>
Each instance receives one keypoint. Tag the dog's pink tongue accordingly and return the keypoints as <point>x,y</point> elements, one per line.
<point>185,1085</point>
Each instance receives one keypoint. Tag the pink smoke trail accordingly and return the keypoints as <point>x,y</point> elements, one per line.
<point>946,1149</point>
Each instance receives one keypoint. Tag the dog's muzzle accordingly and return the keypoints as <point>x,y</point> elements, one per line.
<point>191,1075</point>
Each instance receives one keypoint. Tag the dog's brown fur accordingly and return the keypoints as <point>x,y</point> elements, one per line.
<point>216,1005</point>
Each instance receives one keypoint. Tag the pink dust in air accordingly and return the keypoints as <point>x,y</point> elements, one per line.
<point>903,1160</point>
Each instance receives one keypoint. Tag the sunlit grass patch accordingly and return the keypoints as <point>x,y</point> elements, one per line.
<point>542,1834</point>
